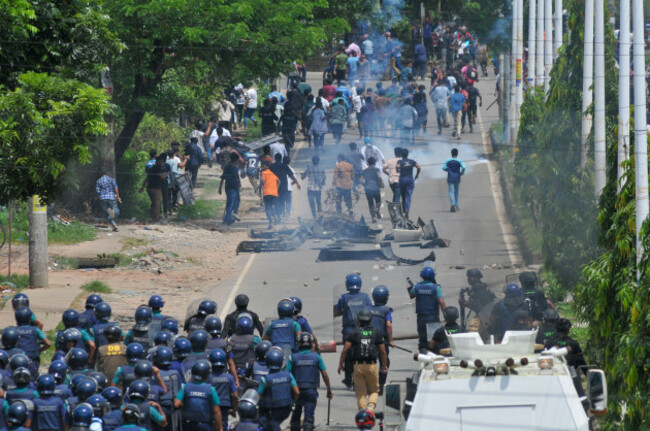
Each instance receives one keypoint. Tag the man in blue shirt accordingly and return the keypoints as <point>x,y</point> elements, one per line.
<point>428,303</point>
<point>109,195</point>
<point>456,101</point>
<point>199,400</point>
<point>455,168</point>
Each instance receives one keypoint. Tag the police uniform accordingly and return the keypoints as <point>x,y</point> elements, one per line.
<point>537,300</point>
<point>125,375</point>
<point>282,333</point>
<point>349,305</point>
<point>276,388</point>
<point>365,342</point>
<point>225,385</point>
<point>241,346</point>
<point>149,414</point>
<point>306,367</point>
<point>98,332</point>
<point>504,312</point>
<point>113,420</point>
<point>156,322</point>
<point>198,400</point>
<point>381,315</point>
<point>231,321</point>
<point>49,413</point>
<point>191,359</point>
<point>87,319</point>
<point>440,336</point>
<point>29,338</point>
<point>545,333</point>
<point>216,343</point>
<point>245,426</point>
<point>140,334</point>
<point>172,380</point>
<point>110,357</point>
<point>194,323</point>
<point>427,308</point>
<point>59,344</point>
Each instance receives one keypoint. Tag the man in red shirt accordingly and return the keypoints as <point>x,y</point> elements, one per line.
<point>329,91</point>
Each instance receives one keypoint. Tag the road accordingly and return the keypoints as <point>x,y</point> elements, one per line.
<point>480,237</point>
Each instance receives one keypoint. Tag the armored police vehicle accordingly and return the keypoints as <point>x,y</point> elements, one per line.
<point>495,387</point>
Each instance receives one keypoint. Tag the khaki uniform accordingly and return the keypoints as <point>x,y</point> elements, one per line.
<point>109,358</point>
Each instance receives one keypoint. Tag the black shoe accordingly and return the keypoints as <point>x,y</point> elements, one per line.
<point>348,385</point>
<point>453,209</point>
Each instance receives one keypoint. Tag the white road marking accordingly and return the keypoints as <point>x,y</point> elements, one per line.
<point>235,288</point>
<point>508,233</point>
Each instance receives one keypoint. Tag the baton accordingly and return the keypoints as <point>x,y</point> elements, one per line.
<point>495,101</point>
<point>329,404</point>
<point>402,348</point>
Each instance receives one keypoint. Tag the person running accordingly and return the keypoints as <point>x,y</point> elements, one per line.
<point>343,180</point>
<point>251,105</point>
<point>231,177</point>
<point>439,95</point>
<point>109,196</point>
<point>455,168</point>
<point>372,183</point>
<point>318,127</point>
<point>473,95</point>
<point>406,180</point>
<point>340,66</point>
<point>390,169</point>
<point>315,181</point>
<point>338,118</point>
<point>456,102</point>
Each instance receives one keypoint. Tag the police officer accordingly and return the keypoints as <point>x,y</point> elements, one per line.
<point>71,338</point>
<point>502,313</point>
<point>111,356</point>
<point>49,410</point>
<point>17,417</point>
<point>478,293</point>
<point>279,388</point>
<point>30,339</point>
<point>78,362</point>
<point>302,320</point>
<point>241,302</point>
<point>82,417</point>
<point>258,369</point>
<point>113,418</point>
<point>439,340</point>
<point>150,411</point>
<point>141,333</point>
<point>198,341</point>
<point>102,315</point>
<point>307,367</point>
<point>100,406</point>
<point>213,326</point>
<point>162,338</point>
<point>130,419</point>
<point>548,329</point>
<point>199,400</point>
<point>428,303</point>
<point>10,341</point>
<point>520,321</point>
<point>241,345</point>
<point>195,322</point>
<point>284,331</point>
<point>87,318</point>
<point>156,303</point>
<point>537,299</point>
<point>382,321</point>
<point>365,346</point>
<point>21,300</point>
<point>70,319</point>
<point>144,370</point>
<point>348,306</point>
<point>248,412</point>
<point>182,349</point>
<point>224,383</point>
<point>59,370</point>
<point>19,360</point>
<point>162,359</point>
<point>575,357</point>
<point>23,390</point>
<point>125,374</point>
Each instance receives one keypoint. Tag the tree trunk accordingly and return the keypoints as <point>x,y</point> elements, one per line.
<point>132,121</point>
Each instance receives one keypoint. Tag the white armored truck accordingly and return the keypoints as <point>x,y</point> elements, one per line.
<point>506,386</point>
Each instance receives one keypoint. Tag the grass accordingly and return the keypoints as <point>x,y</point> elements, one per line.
<point>46,356</point>
<point>57,233</point>
<point>210,188</point>
<point>21,281</point>
<point>96,286</point>
<point>130,242</point>
<point>202,209</point>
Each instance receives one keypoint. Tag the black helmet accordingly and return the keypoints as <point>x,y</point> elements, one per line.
<point>527,278</point>
<point>207,307</point>
<point>70,318</point>
<point>143,315</point>
<point>198,340</point>
<point>17,414</point>
<point>364,317</point>
<point>131,414</point>
<point>520,314</point>
<point>19,300</point>
<point>23,316</point>
<point>475,272</point>
<point>19,360</point>
<point>100,378</point>
<point>563,325</point>
<point>212,325</point>
<point>247,410</point>
<point>550,315</point>
<point>201,370</point>
<point>10,337</point>
<point>305,341</point>
<point>451,313</point>
<point>93,300</point>
<point>113,333</point>
<point>22,376</point>
<point>143,370</point>
<point>261,349</point>
<point>139,389</point>
<point>241,300</point>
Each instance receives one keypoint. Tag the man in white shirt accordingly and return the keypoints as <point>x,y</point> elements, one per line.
<point>370,150</point>
<point>278,147</point>
<point>251,105</point>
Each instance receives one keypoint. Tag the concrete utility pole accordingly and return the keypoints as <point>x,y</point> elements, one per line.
<point>587,80</point>
<point>37,242</point>
<point>505,95</point>
<point>623,91</point>
<point>501,83</point>
<point>600,146</point>
<point>512,118</point>
<point>531,44</point>
<point>557,41</point>
<point>520,64</point>
<point>640,131</point>
<point>540,43</point>
<point>548,44</point>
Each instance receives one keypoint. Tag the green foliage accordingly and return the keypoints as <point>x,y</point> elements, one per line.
<point>57,233</point>
<point>202,209</point>
<point>155,132</point>
<point>20,280</point>
<point>130,175</point>
<point>44,124</point>
<point>96,286</point>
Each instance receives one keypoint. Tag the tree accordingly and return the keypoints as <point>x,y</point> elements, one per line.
<point>46,123</point>
<point>203,43</point>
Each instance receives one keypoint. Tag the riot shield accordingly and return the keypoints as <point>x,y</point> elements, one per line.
<point>337,322</point>
<point>193,308</point>
<point>513,278</point>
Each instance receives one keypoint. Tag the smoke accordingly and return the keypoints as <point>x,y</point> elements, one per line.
<point>501,30</point>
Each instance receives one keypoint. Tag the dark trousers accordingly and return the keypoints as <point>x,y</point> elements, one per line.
<point>307,401</point>
<point>289,139</point>
<point>348,365</point>
<point>314,197</point>
<point>269,207</point>
<point>232,205</point>
<point>274,418</point>
<point>383,376</point>
<point>197,426</point>
<point>319,140</point>
<point>374,202</point>
<point>343,195</point>
<point>423,339</point>
<point>194,172</point>
<point>156,199</point>
<point>396,195</point>
<point>167,205</point>
<point>281,202</point>
<point>406,186</point>
<point>337,132</point>
<point>441,117</point>
<point>224,417</point>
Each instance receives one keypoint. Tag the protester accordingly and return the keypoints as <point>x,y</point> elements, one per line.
<point>405,168</point>
<point>372,183</point>
<point>231,178</point>
<point>390,169</point>
<point>455,168</point>
<point>343,180</point>
<point>315,181</point>
<point>109,196</point>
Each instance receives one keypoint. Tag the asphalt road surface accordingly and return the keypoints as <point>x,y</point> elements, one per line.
<point>480,237</point>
